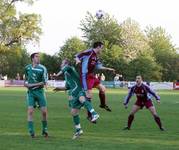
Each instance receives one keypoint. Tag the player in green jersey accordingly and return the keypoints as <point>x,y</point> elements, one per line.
<point>35,79</point>
<point>77,97</point>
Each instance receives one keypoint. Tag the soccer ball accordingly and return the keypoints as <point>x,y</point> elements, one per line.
<point>99,14</point>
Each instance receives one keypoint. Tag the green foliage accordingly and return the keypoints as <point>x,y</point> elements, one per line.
<point>134,41</point>
<point>106,29</point>
<point>128,49</point>
<point>132,51</point>
<point>164,52</point>
<point>146,66</point>
<point>71,47</point>
<point>52,63</point>
<point>16,30</point>
<point>13,62</point>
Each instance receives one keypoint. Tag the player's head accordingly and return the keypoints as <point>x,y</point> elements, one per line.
<point>138,79</point>
<point>35,58</point>
<point>98,46</point>
<point>65,62</point>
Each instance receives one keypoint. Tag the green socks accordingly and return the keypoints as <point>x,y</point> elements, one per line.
<point>76,120</point>
<point>31,127</point>
<point>89,107</point>
<point>44,126</point>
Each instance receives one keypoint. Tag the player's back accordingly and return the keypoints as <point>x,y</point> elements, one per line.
<point>72,78</point>
<point>88,60</point>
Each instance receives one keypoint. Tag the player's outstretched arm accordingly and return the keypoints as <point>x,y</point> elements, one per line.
<point>110,69</point>
<point>77,60</point>
<point>58,74</point>
<point>157,97</point>
<point>105,68</point>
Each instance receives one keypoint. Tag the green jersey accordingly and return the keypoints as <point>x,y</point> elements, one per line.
<point>72,80</point>
<point>36,74</point>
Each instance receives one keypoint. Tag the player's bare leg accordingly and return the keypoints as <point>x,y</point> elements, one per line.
<point>135,109</point>
<point>88,98</point>
<point>76,120</point>
<point>156,117</point>
<point>30,112</point>
<point>44,121</point>
<point>102,97</point>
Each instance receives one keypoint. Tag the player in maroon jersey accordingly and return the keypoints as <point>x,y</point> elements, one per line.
<point>89,61</point>
<point>143,94</point>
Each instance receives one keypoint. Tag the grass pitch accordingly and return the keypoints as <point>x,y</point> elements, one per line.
<point>107,134</point>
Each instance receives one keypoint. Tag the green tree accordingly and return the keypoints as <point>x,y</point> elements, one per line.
<point>12,62</point>
<point>108,31</point>
<point>105,29</point>
<point>134,41</point>
<point>164,52</point>
<point>16,30</point>
<point>52,63</point>
<point>71,47</point>
<point>146,66</point>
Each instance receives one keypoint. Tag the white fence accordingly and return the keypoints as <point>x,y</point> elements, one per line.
<point>108,84</point>
<point>157,85</point>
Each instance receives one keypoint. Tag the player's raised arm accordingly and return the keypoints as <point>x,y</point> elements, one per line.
<point>80,55</point>
<point>78,61</point>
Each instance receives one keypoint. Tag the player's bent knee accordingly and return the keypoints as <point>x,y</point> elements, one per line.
<point>30,112</point>
<point>82,99</point>
<point>131,116</point>
<point>44,113</point>
<point>74,112</point>
<point>102,88</point>
<point>133,112</point>
<point>155,116</point>
<point>89,94</point>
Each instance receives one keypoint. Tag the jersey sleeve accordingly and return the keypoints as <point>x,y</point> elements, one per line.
<point>128,97</point>
<point>25,73</point>
<point>45,75</point>
<point>67,86</point>
<point>66,68</point>
<point>80,55</point>
<point>99,65</point>
<point>149,90</point>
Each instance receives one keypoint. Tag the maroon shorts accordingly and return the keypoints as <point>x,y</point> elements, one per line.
<point>92,81</point>
<point>146,103</point>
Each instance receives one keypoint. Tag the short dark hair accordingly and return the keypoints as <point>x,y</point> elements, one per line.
<point>33,55</point>
<point>67,62</point>
<point>96,44</point>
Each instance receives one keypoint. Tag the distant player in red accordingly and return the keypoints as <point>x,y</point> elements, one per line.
<point>143,94</point>
<point>89,61</point>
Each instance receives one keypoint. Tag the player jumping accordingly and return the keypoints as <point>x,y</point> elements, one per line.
<point>142,92</point>
<point>89,61</point>
<point>76,94</point>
